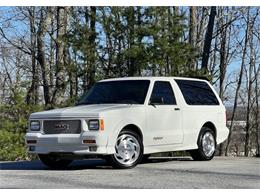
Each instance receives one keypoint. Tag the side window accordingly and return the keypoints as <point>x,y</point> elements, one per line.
<point>197,92</point>
<point>162,93</point>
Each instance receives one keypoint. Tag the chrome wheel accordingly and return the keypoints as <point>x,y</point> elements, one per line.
<point>208,144</point>
<point>127,149</point>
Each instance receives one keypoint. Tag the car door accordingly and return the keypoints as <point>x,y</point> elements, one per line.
<point>163,116</point>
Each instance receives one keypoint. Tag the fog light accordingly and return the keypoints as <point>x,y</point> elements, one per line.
<point>31,141</point>
<point>89,141</point>
<point>92,148</point>
<point>31,148</point>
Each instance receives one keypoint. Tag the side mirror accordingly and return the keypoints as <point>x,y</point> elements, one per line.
<point>156,100</point>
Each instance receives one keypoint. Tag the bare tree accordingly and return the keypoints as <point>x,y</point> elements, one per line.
<point>42,29</point>
<point>244,52</point>
<point>60,85</point>
<point>224,55</point>
<point>249,92</point>
<point>208,39</point>
<point>91,65</point>
<point>257,121</point>
<point>192,32</point>
<point>201,18</point>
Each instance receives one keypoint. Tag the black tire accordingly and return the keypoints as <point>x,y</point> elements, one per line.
<point>199,154</point>
<point>115,163</point>
<point>53,162</point>
<point>145,158</point>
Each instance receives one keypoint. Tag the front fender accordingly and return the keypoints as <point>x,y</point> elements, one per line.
<point>117,129</point>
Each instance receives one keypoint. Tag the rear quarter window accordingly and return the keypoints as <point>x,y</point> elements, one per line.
<point>197,92</point>
<point>163,89</point>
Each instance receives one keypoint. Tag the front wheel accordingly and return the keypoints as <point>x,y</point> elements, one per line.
<point>129,150</point>
<point>53,161</point>
<point>206,145</point>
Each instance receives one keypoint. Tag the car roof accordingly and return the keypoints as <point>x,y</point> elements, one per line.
<point>152,79</point>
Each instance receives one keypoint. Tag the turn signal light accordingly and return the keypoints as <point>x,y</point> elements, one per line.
<point>31,141</point>
<point>89,141</point>
<point>102,125</point>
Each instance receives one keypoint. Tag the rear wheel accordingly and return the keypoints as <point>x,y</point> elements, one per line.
<point>206,145</point>
<point>129,150</point>
<point>53,161</point>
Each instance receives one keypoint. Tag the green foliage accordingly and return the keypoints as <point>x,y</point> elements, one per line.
<point>13,125</point>
<point>197,74</point>
<point>12,146</point>
<point>14,116</point>
<point>67,103</point>
<point>130,41</point>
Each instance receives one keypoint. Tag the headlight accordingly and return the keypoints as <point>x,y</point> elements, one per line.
<point>35,125</point>
<point>93,124</point>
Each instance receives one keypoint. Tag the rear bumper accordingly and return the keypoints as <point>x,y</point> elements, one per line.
<point>67,143</point>
<point>222,135</point>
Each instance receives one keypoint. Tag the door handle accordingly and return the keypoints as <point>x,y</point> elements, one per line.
<point>177,109</point>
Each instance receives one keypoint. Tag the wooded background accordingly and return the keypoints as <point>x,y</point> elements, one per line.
<point>51,56</point>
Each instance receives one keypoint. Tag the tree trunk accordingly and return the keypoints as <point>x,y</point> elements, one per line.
<point>222,67</point>
<point>32,94</point>
<point>60,85</point>
<point>131,36</point>
<point>249,93</point>
<point>244,52</point>
<point>200,26</point>
<point>41,53</point>
<point>192,33</point>
<point>72,63</point>
<point>208,39</point>
<point>256,72</point>
<point>91,69</point>
<point>73,74</point>
<point>52,50</point>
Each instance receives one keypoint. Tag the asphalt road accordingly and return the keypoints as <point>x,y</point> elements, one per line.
<point>157,173</point>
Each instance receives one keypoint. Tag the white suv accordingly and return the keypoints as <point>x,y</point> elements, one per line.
<point>124,120</point>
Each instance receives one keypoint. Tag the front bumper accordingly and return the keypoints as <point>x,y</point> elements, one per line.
<point>67,143</point>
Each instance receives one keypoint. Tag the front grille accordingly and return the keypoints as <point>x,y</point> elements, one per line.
<point>62,127</point>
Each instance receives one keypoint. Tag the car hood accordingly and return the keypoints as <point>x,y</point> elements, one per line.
<point>80,111</point>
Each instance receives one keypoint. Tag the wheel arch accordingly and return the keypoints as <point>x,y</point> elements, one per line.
<point>197,154</point>
<point>134,128</point>
<point>115,162</point>
<point>211,125</point>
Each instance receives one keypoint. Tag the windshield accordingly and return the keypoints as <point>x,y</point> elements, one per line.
<point>117,92</point>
